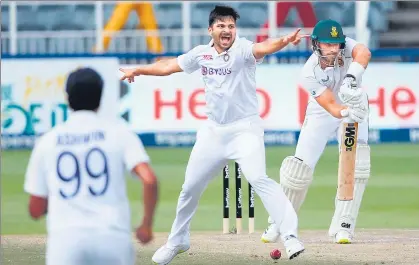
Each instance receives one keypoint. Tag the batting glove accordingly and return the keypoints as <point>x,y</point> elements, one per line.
<point>357,114</point>
<point>349,90</point>
<point>361,101</point>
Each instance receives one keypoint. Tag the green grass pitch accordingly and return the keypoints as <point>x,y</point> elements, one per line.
<point>391,199</point>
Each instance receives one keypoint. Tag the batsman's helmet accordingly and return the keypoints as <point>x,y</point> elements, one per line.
<point>327,31</point>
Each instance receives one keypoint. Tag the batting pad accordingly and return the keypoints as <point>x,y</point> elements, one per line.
<point>295,177</point>
<point>346,212</point>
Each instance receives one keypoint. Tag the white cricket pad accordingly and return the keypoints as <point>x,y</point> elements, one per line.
<point>346,212</point>
<point>295,178</point>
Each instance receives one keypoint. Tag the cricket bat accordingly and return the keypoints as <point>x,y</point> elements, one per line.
<point>347,157</point>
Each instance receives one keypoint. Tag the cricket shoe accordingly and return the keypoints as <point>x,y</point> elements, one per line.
<point>271,234</point>
<point>293,246</point>
<point>165,254</point>
<point>343,237</point>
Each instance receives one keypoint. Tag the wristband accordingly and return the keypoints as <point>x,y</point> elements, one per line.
<point>356,70</point>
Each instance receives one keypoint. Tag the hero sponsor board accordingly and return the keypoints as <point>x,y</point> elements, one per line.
<point>168,110</point>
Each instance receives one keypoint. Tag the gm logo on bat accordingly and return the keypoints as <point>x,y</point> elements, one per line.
<point>350,136</point>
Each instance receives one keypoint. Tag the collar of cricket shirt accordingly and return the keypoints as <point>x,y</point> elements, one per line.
<point>224,53</point>
<point>82,115</point>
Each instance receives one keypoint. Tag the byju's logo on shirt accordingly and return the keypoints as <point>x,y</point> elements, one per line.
<point>212,71</point>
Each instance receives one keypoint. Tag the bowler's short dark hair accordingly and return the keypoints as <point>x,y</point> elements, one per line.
<point>220,12</point>
<point>84,89</point>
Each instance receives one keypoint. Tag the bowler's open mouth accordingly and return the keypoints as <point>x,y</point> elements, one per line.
<point>225,39</point>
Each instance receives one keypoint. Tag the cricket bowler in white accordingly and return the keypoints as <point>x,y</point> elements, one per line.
<point>233,130</point>
<point>76,176</point>
<point>333,76</point>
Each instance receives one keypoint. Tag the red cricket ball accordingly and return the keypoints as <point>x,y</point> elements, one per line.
<point>275,254</point>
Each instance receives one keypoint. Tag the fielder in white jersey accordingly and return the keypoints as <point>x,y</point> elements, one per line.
<point>233,130</point>
<point>76,175</point>
<point>333,76</point>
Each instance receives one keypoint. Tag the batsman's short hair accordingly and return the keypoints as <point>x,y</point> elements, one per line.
<point>84,88</point>
<point>220,12</point>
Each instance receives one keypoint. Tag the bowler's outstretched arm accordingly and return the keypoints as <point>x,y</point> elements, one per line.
<point>161,68</point>
<point>273,45</point>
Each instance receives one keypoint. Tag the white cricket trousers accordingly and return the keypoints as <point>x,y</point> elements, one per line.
<point>90,247</point>
<point>243,142</point>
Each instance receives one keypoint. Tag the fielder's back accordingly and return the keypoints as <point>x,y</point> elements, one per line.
<point>84,161</point>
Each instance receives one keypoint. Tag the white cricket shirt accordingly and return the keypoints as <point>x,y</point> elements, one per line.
<point>316,80</point>
<point>80,166</point>
<point>229,79</point>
